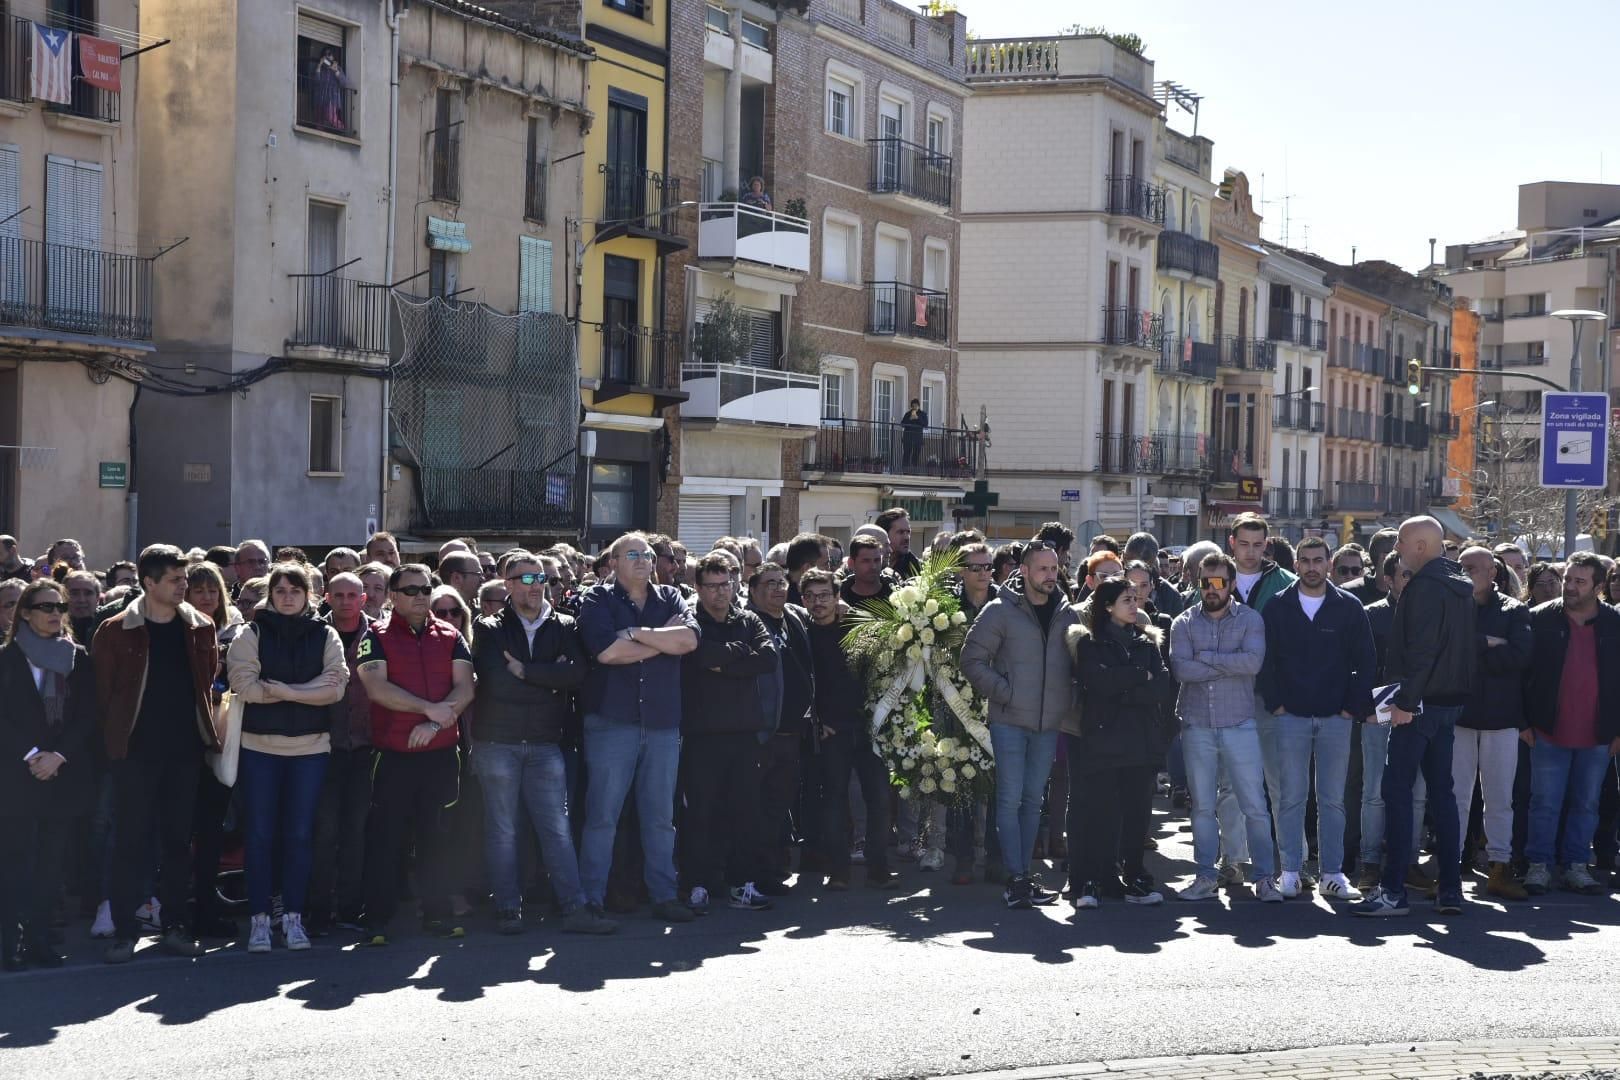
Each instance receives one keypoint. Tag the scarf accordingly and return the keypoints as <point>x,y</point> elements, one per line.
<point>54,656</point>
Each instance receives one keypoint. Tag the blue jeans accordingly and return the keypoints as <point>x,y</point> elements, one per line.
<point>1374,751</point>
<point>518,777</point>
<point>1288,742</point>
<point>1557,774</point>
<point>1023,763</point>
<point>1232,753</point>
<point>618,755</point>
<point>280,795</point>
<point>1421,747</point>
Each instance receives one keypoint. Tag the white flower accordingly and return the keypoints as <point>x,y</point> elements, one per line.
<point>908,595</point>
<point>948,774</point>
<point>945,747</point>
<point>905,633</point>
<point>969,772</point>
<point>905,792</point>
<point>928,768</point>
<point>958,618</point>
<point>918,621</point>
<point>926,786</point>
<point>948,786</point>
<point>927,637</point>
<point>961,753</point>
<point>941,622</point>
<point>931,607</point>
<point>914,653</point>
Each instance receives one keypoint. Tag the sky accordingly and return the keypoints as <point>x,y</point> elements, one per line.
<point>1377,124</point>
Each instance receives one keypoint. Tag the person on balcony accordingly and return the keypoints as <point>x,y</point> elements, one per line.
<point>756,195</point>
<point>912,426</point>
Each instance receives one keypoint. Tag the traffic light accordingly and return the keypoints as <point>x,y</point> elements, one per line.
<point>1414,377</point>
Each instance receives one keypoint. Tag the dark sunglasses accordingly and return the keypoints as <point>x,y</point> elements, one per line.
<point>1207,583</point>
<point>448,613</point>
<point>981,567</point>
<point>1348,571</point>
<point>415,590</point>
<point>49,605</point>
<point>529,579</point>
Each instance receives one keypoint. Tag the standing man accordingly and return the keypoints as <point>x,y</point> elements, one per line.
<point>374,577</point>
<point>897,524</point>
<point>1431,656</point>
<point>726,724</point>
<point>805,552</point>
<point>252,561</point>
<point>1572,700</point>
<point>462,571</point>
<point>1216,650</point>
<point>1371,588</point>
<point>1317,682</point>
<point>1487,746</point>
<point>383,548</point>
<point>1258,578</point>
<point>529,660</point>
<point>419,676</point>
<point>795,682</point>
<point>866,580</point>
<point>155,667</point>
<point>912,426</point>
<point>637,633</point>
<point>1016,655</point>
<point>1143,547</point>
<point>12,563</point>
<point>1513,556</point>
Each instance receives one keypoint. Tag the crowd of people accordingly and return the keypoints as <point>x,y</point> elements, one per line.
<point>323,745</point>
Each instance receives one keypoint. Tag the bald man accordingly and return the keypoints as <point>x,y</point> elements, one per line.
<point>1432,658</point>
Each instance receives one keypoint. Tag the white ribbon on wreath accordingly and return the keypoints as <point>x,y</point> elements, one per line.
<point>911,678</point>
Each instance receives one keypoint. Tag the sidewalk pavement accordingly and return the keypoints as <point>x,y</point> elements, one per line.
<point>1392,1061</point>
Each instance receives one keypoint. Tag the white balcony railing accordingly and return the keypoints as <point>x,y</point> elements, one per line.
<point>745,394</point>
<point>736,231</point>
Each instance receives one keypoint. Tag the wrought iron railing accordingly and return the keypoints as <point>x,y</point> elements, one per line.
<point>899,167</point>
<point>1185,252</point>
<point>1132,326</point>
<point>447,167</point>
<point>896,309</point>
<point>1133,197</point>
<point>534,191</point>
<point>1298,414</point>
<point>339,313</point>
<point>1193,359</point>
<point>640,198</point>
<point>74,289</point>
<point>1159,454</point>
<point>881,446</point>
<point>325,104</point>
<point>634,356</point>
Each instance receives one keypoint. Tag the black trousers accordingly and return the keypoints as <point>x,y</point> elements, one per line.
<point>778,790</point>
<point>33,856</point>
<point>1109,810</point>
<point>336,881</point>
<point>153,790</point>
<point>213,804</point>
<point>721,779</point>
<point>842,754</point>
<point>411,795</point>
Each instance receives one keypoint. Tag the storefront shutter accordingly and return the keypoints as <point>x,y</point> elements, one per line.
<point>703,520</point>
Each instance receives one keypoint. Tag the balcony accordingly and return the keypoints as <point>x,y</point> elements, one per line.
<point>1353,495</point>
<point>1188,358</point>
<point>908,313</point>
<point>1444,490</point>
<point>1301,330</point>
<point>1491,362</point>
<point>1392,431</point>
<point>1230,466</point>
<point>1297,414</point>
<point>1182,254</point>
<point>1159,454</point>
<point>1523,358</point>
<point>447,168</point>
<point>327,107</point>
<point>733,231</point>
<point>1350,423</point>
<point>635,360</point>
<point>1447,425</point>
<point>534,191</point>
<point>640,203</point>
<point>1129,196</point>
<point>1355,356</point>
<point>1293,503</point>
<point>746,394</point>
<point>74,290</point>
<point>912,176</point>
<point>1417,434</point>
<point>883,447</point>
<point>337,315</point>
<point>1132,327</point>
<point>1054,59</point>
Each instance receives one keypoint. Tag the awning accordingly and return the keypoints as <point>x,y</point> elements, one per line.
<point>446,235</point>
<point>1451,522</point>
<point>1234,508</point>
<point>924,493</point>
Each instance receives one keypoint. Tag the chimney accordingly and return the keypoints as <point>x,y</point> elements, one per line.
<point>1352,254</point>
<point>1431,251</point>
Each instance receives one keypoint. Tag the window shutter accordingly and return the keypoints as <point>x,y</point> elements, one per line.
<point>327,33</point>
<point>703,519</point>
<point>762,349</point>
<point>72,220</point>
<point>835,252</point>
<point>534,274</point>
<point>11,256</point>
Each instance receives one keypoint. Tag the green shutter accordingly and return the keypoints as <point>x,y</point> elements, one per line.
<point>534,274</point>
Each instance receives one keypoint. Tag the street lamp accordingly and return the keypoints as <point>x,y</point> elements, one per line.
<point>1577,318</point>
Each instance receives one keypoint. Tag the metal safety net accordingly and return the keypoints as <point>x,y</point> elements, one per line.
<point>485,407</point>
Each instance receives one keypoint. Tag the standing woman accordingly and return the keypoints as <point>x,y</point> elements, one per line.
<point>1126,696</point>
<point>288,667</point>
<point>47,716</point>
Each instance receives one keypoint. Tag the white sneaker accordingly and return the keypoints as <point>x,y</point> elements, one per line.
<point>150,914</point>
<point>1537,879</point>
<point>1086,900</point>
<point>932,859</point>
<point>1202,888</point>
<point>1577,878</point>
<point>1338,887</point>
<point>292,925</point>
<point>103,926</point>
<point>1267,892</point>
<point>911,851</point>
<point>1288,884</point>
<point>259,934</point>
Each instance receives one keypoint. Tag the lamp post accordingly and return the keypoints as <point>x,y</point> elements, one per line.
<point>1577,319</point>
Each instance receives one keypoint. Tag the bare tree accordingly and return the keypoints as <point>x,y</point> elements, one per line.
<point>1509,498</point>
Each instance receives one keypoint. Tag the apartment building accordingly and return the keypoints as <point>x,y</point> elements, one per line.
<point>484,402</point>
<point>1295,301</point>
<point>1355,377</point>
<point>1240,418</point>
<point>1058,332</point>
<point>273,312</point>
<point>75,277</point>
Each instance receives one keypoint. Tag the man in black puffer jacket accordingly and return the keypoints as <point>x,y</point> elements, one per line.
<point>793,693</point>
<point>528,660</point>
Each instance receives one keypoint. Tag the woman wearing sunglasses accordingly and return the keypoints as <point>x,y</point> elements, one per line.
<point>47,718</point>
<point>288,667</point>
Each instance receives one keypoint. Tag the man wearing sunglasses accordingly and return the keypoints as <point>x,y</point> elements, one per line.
<point>1217,647</point>
<point>529,660</point>
<point>419,676</point>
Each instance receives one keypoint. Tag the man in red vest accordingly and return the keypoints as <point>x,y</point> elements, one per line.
<point>418,673</point>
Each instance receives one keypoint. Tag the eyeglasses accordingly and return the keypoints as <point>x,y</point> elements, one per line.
<point>1102,576</point>
<point>415,590</point>
<point>715,585</point>
<point>448,613</point>
<point>980,567</point>
<point>1348,571</point>
<point>771,583</point>
<point>638,556</point>
<point>1212,583</point>
<point>529,579</point>
<point>49,606</point>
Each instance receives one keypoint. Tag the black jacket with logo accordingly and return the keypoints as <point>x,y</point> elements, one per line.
<point>1431,644</point>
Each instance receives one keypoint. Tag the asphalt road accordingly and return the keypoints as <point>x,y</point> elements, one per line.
<point>935,979</point>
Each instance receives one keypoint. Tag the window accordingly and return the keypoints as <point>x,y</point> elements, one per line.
<point>622,359</point>
<point>886,394</point>
<point>613,497</point>
<point>638,8</point>
<point>444,267</point>
<point>939,134</point>
<point>534,176</point>
<point>626,156</point>
<point>718,19</point>
<point>756,35</point>
<point>534,274</point>
<point>446,147</point>
<point>840,108</point>
<point>840,248</point>
<point>832,395</point>
<point>326,87</point>
<point>325,435</point>
<point>933,399</point>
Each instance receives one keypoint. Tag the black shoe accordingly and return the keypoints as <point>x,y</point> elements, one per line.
<point>1141,891</point>
<point>509,922</point>
<point>1018,894</point>
<point>217,927</point>
<point>773,888</point>
<point>1448,902</point>
<point>1178,798</point>
<point>1039,894</point>
<point>1110,888</point>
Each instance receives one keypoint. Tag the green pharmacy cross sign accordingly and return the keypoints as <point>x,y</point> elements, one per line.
<point>981,499</point>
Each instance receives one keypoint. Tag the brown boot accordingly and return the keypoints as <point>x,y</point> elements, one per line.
<point>1501,883</point>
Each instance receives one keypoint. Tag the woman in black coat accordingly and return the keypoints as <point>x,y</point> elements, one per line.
<point>1126,700</point>
<point>47,717</point>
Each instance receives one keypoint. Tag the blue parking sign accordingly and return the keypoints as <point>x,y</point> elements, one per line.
<point>1574,440</point>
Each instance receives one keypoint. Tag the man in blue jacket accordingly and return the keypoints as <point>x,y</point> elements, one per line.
<point>1316,683</point>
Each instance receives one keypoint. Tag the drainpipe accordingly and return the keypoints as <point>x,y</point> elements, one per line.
<point>132,500</point>
<point>392,15</point>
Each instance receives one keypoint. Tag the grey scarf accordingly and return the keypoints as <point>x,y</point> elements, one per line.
<point>54,656</point>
